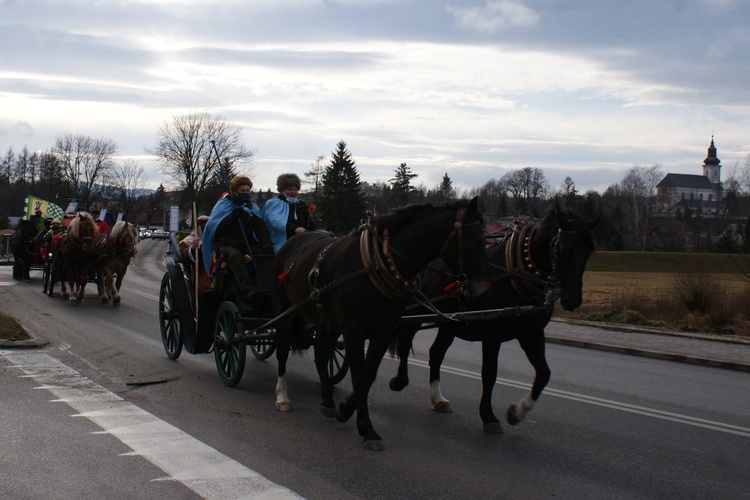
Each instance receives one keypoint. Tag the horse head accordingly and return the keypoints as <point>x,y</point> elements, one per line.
<point>123,236</point>
<point>569,246</point>
<point>82,230</point>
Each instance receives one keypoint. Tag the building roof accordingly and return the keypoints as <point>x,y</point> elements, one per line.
<point>685,181</point>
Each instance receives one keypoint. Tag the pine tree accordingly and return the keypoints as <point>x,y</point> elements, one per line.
<point>401,188</point>
<point>445,189</point>
<point>342,203</point>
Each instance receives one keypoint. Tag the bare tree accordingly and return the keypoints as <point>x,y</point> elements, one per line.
<point>185,153</point>
<point>638,191</point>
<point>127,181</point>
<point>86,164</point>
<point>314,176</point>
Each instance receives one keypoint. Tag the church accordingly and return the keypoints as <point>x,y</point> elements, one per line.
<point>688,195</point>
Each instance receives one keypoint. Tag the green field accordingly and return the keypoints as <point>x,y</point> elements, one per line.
<point>668,262</point>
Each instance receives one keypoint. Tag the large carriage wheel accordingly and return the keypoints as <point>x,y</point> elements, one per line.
<point>264,348</point>
<point>169,319</point>
<point>229,351</point>
<point>338,364</point>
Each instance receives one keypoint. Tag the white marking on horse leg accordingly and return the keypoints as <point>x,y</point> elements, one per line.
<point>437,401</point>
<point>524,406</point>
<point>282,398</point>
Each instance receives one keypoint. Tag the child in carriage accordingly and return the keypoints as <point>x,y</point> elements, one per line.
<point>191,250</point>
<point>235,229</point>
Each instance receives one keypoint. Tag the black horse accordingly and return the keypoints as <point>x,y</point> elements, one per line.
<point>358,285</point>
<point>530,264</point>
<point>21,246</point>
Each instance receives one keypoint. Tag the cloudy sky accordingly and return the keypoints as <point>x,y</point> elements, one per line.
<point>472,88</point>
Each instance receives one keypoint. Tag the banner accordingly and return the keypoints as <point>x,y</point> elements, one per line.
<point>48,209</point>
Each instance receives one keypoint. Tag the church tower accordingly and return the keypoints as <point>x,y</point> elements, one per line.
<point>712,166</point>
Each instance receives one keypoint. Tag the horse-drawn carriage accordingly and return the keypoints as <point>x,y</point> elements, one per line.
<point>219,320</point>
<point>81,255</point>
<point>359,287</point>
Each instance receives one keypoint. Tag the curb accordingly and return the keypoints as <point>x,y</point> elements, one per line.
<point>698,360</point>
<point>29,343</point>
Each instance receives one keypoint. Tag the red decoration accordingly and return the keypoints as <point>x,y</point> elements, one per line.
<point>313,208</point>
<point>284,276</point>
<point>449,288</point>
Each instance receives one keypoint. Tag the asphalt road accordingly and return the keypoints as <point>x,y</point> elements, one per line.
<point>101,412</point>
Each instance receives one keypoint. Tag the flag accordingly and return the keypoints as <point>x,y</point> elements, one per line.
<point>48,209</point>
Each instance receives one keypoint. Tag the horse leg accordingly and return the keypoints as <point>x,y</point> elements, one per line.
<point>439,347</point>
<point>403,347</point>
<point>323,349</point>
<point>364,370</point>
<point>103,278</point>
<point>117,284</point>
<point>283,346</point>
<point>534,347</point>
<point>490,351</point>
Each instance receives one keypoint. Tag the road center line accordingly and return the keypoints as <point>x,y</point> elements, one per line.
<point>605,403</point>
<point>183,458</point>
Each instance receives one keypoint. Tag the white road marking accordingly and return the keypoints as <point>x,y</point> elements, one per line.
<point>183,458</point>
<point>605,403</point>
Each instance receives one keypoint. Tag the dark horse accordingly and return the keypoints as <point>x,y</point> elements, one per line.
<point>358,285</point>
<point>115,249</point>
<point>21,247</point>
<point>530,264</point>
<point>75,254</point>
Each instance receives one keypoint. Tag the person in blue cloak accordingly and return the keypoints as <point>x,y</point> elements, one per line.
<point>286,215</point>
<point>235,228</point>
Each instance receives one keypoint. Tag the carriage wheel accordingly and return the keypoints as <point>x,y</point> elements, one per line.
<point>169,319</point>
<point>228,350</point>
<point>263,349</point>
<point>338,364</point>
<point>50,279</point>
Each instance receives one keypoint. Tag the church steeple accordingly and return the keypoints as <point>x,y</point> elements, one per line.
<point>712,165</point>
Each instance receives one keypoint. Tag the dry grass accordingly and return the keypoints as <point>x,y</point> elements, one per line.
<point>654,295</point>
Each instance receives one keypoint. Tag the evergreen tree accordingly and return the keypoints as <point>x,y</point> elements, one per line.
<point>342,203</point>
<point>401,188</point>
<point>445,190</point>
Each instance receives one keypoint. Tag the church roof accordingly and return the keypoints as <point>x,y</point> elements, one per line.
<point>685,181</point>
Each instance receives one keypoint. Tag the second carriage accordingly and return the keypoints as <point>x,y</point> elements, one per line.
<point>220,321</point>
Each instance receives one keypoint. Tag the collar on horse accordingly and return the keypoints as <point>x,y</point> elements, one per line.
<point>528,278</point>
<point>119,246</point>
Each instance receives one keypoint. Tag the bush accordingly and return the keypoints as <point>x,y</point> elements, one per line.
<point>696,290</point>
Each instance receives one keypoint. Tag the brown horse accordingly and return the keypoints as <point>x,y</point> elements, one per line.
<point>530,264</point>
<point>357,286</point>
<point>75,255</point>
<point>115,249</point>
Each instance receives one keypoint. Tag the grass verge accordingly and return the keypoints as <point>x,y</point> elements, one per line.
<point>10,329</point>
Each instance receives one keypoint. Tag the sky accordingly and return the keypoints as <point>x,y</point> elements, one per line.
<point>585,89</point>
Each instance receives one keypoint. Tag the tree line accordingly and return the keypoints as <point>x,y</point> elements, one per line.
<point>198,152</point>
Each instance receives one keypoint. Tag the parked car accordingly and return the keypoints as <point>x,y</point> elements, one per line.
<point>160,234</point>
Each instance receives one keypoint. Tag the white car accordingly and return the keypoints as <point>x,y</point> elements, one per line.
<point>160,234</point>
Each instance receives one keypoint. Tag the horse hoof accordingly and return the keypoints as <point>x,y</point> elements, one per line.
<point>328,412</point>
<point>104,301</point>
<point>342,413</point>
<point>374,445</point>
<point>493,428</point>
<point>397,385</point>
<point>442,407</point>
<point>512,414</point>
<point>284,407</point>
<point>115,302</point>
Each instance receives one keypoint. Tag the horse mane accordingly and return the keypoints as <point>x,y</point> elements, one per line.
<point>80,221</point>
<point>393,221</point>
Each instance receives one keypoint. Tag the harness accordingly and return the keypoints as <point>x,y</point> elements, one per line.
<point>528,278</point>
